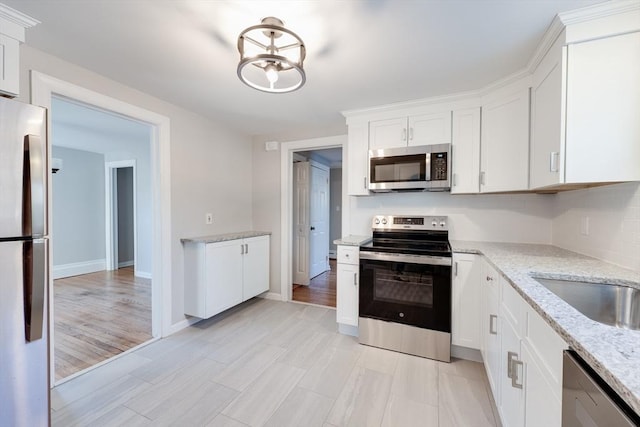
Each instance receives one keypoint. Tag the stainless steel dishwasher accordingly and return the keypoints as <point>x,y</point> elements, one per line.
<point>587,401</point>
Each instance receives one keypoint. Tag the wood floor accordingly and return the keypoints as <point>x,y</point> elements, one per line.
<point>97,316</point>
<point>272,363</point>
<point>321,289</point>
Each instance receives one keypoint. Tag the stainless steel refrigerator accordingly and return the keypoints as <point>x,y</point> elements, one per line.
<point>24,246</point>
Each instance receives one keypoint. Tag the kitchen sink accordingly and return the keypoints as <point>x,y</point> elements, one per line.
<point>615,305</point>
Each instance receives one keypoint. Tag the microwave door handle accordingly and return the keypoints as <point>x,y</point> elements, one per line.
<point>34,185</point>
<point>427,167</point>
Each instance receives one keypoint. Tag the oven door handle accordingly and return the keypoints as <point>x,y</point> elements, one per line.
<point>409,259</point>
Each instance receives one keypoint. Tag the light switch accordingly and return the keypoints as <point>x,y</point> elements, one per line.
<point>208,218</point>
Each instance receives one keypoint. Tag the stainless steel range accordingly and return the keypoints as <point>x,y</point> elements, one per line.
<point>405,286</point>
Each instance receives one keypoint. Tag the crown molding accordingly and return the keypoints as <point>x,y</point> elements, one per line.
<point>554,30</point>
<point>600,10</point>
<point>17,17</point>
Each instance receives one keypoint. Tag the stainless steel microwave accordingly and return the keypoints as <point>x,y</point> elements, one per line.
<point>419,168</point>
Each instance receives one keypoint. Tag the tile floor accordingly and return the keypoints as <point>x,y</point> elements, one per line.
<point>274,364</point>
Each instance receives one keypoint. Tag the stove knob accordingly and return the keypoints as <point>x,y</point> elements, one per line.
<point>434,224</point>
<point>377,221</point>
<point>442,223</point>
<point>384,220</point>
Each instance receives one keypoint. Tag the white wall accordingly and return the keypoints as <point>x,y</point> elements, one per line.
<point>497,217</point>
<point>78,209</point>
<point>613,214</point>
<point>210,164</point>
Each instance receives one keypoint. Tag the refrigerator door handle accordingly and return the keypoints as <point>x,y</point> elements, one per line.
<point>34,287</point>
<point>35,185</point>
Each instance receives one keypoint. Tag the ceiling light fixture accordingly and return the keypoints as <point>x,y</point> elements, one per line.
<point>271,57</point>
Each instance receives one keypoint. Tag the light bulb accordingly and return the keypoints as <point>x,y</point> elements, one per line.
<point>272,73</point>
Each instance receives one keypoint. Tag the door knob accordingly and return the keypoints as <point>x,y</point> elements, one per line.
<point>313,228</point>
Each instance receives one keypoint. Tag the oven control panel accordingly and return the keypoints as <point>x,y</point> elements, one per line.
<point>405,222</point>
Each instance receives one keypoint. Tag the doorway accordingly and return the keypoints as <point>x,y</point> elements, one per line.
<point>314,222</point>
<point>43,89</point>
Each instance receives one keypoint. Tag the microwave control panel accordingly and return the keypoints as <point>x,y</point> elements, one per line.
<point>439,166</point>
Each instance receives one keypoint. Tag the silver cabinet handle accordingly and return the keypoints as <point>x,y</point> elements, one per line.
<point>35,278</point>
<point>411,133</point>
<point>35,186</point>
<point>453,179</point>
<point>364,182</point>
<point>404,134</point>
<point>492,331</point>
<point>489,279</point>
<point>455,269</point>
<point>241,249</point>
<point>511,356</point>
<point>553,161</point>
<point>481,178</point>
<point>516,376</point>
<point>355,279</point>
<point>246,248</point>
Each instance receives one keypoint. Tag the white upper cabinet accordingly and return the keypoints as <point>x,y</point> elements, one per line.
<point>585,109</point>
<point>423,129</point>
<point>504,151</point>
<point>12,32</point>
<point>357,159</point>
<point>465,151</point>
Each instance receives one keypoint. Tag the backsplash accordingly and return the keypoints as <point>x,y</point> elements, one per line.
<point>603,222</point>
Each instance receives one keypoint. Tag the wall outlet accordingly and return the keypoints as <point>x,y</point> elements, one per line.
<point>584,225</point>
<point>208,218</point>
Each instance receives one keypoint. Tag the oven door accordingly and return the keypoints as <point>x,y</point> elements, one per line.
<point>411,290</point>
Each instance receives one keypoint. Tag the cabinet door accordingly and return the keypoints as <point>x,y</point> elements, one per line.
<point>9,65</point>
<point>543,406</point>
<point>223,276</point>
<point>511,380</point>
<point>391,133</point>
<point>429,129</point>
<point>490,326</point>
<point>255,266</point>
<point>504,150</point>
<point>465,151</point>
<point>603,107</point>
<point>547,119</point>
<point>357,159</point>
<point>347,294</point>
<point>465,327</point>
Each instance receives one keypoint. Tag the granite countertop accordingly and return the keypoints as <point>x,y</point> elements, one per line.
<point>352,240</point>
<point>214,238</point>
<point>612,352</point>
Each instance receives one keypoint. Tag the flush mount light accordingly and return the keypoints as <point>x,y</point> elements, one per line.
<point>271,57</point>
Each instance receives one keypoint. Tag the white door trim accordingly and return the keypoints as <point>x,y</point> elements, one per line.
<point>43,87</point>
<point>286,188</point>
<point>111,219</point>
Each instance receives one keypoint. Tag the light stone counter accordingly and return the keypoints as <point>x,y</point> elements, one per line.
<point>352,240</point>
<point>612,352</point>
<point>224,237</point>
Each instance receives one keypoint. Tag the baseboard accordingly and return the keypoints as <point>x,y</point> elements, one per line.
<point>142,274</point>
<point>466,353</point>
<point>125,264</point>
<point>271,295</point>
<point>182,325</point>
<point>78,268</point>
<point>333,254</point>
<point>348,329</point>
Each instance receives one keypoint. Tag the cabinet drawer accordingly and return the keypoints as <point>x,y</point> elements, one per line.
<point>348,254</point>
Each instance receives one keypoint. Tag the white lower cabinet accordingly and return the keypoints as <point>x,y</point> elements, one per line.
<point>465,328</point>
<point>347,285</point>
<point>522,356</point>
<point>221,275</point>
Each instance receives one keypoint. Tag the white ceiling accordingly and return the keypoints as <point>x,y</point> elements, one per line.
<point>359,53</point>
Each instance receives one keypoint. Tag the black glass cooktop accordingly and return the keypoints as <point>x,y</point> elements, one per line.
<point>432,243</point>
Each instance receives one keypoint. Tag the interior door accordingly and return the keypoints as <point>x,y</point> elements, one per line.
<point>301,228</point>
<point>319,220</point>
